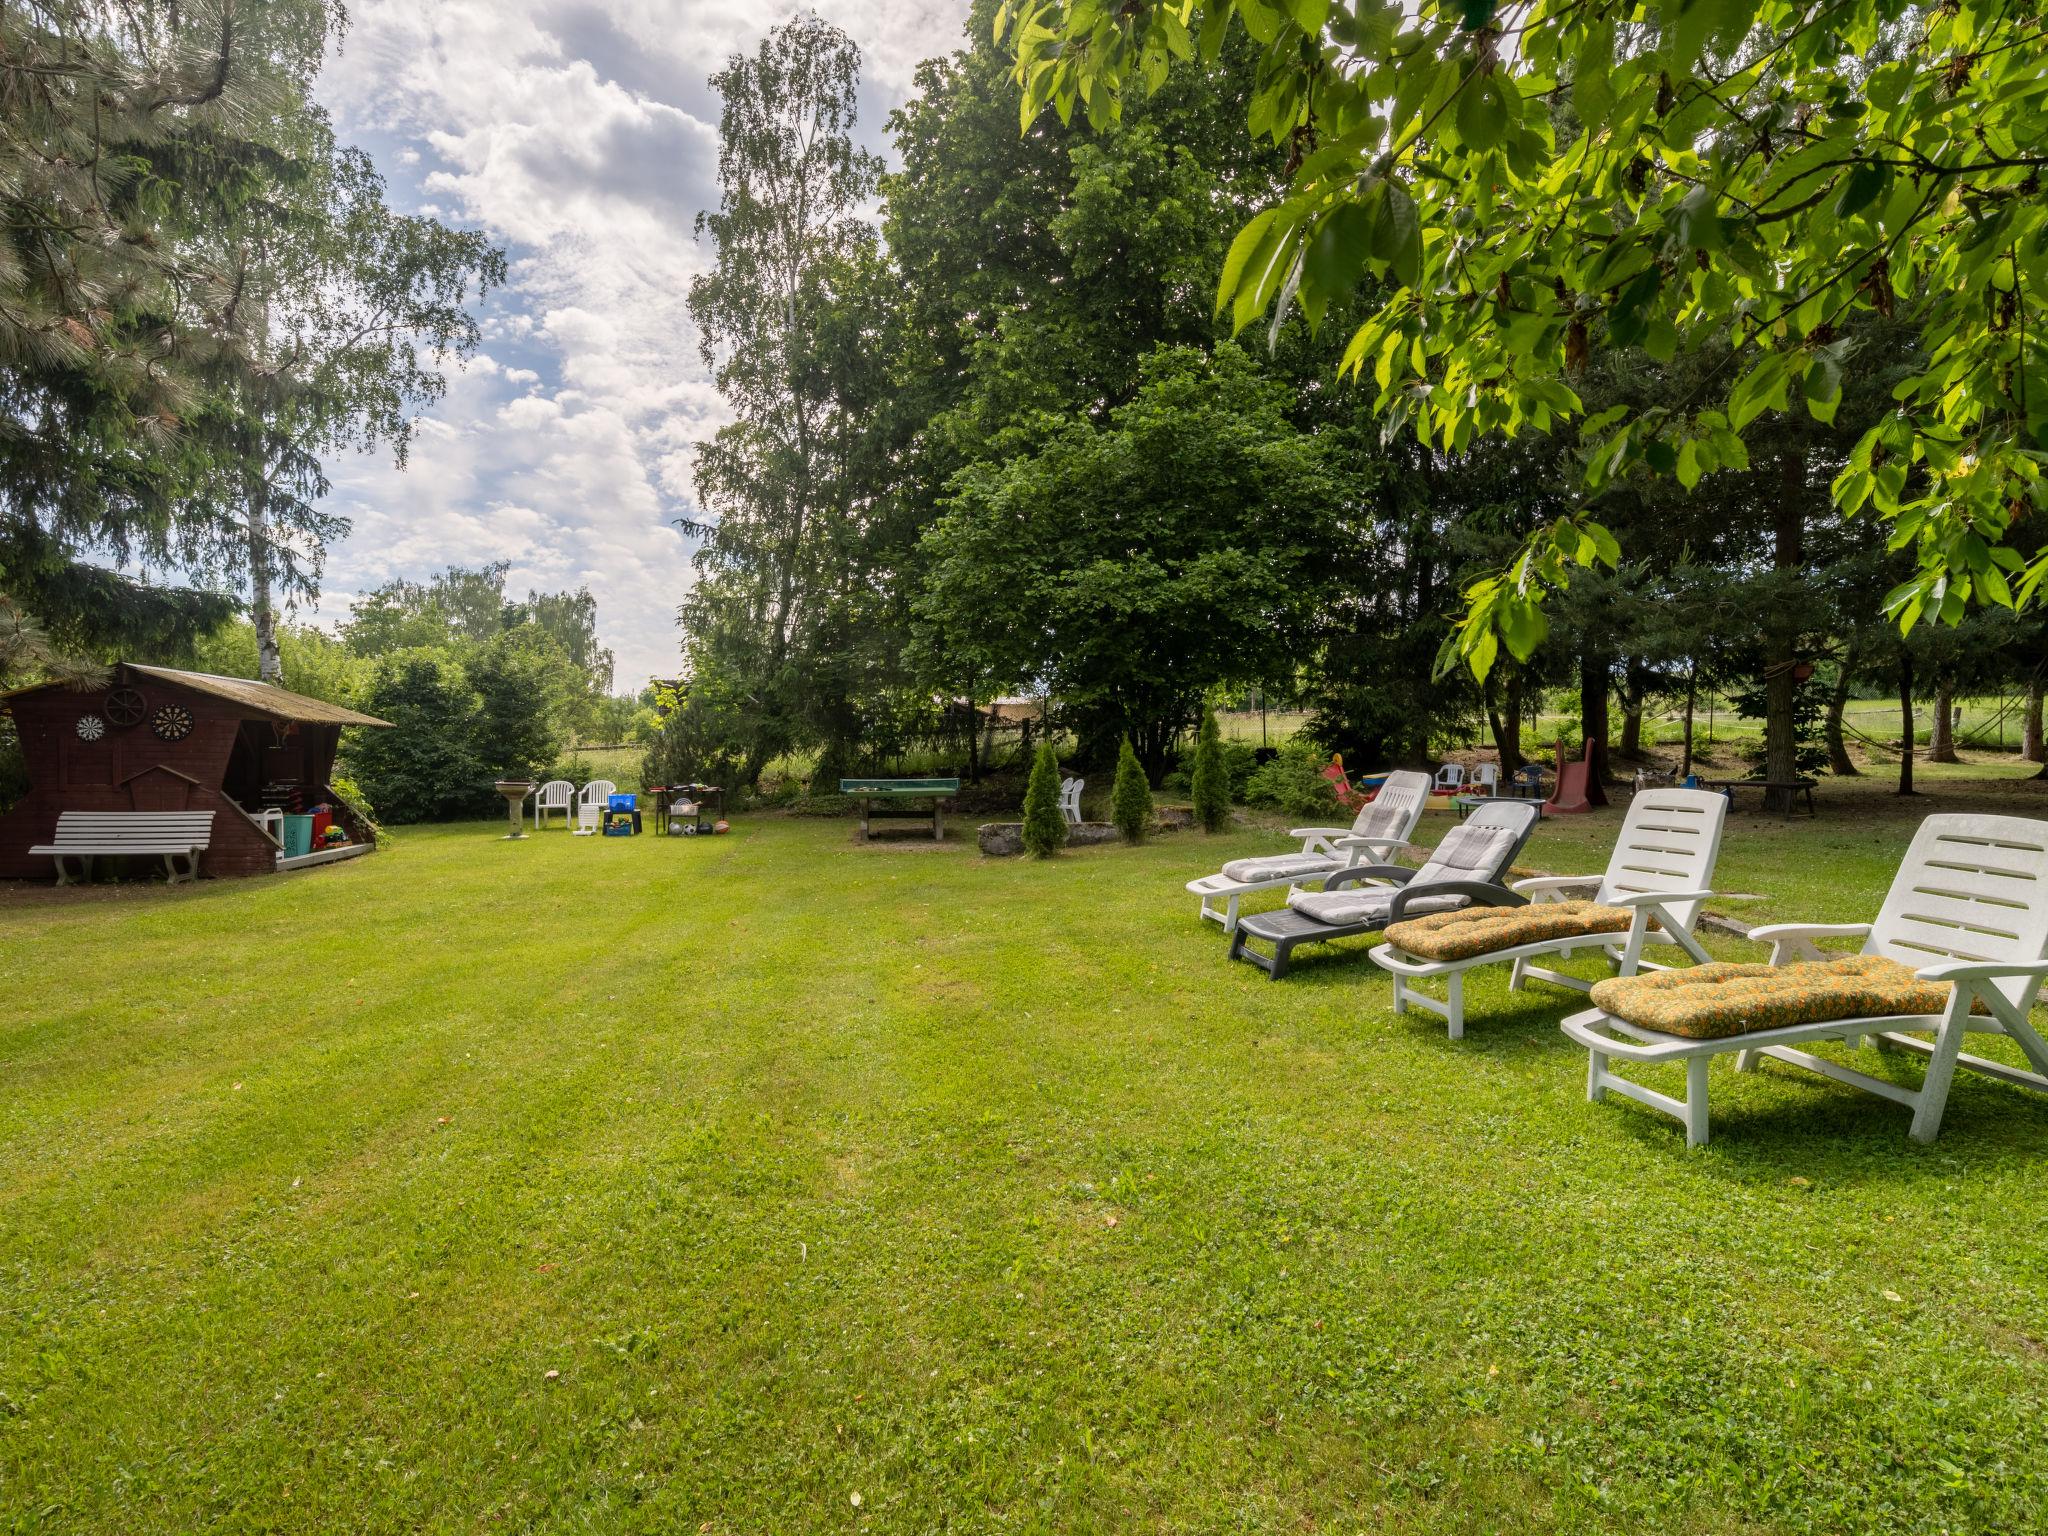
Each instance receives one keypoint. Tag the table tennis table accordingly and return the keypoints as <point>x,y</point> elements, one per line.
<point>892,799</point>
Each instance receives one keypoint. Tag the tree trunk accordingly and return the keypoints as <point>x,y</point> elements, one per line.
<point>1906,723</point>
<point>2030,747</point>
<point>262,613</point>
<point>1507,722</point>
<point>1635,684</point>
<point>1941,742</point>
<point>1781,639</point>
<point>1838,701</point>
<point>1692,689</point>
<point>1596,674</point>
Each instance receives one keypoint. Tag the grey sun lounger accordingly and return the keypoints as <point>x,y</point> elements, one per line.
<point>1470,864</point>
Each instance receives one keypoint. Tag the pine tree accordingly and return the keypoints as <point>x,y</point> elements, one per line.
<point>1130,801</point>
<point>1045,829</point>
<point>1212,780</point>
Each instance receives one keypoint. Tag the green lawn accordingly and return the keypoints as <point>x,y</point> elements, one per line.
<point>775,1184</point>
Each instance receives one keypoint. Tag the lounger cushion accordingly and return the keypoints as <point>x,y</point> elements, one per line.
<point>1468,852</point>
<point>1280,866</point>
<point>1483,930</point>
<point>1362,904</point>
<point>1712,1002</point>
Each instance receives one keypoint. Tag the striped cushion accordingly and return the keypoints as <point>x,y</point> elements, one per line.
<point>1363,904</point>
<point>1484,930</point>
<point>1713,1002</point>
<point>1281,866</point>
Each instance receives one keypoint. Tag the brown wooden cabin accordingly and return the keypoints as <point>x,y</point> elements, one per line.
<point>126,747</point>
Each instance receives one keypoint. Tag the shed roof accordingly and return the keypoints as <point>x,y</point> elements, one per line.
<point>265,699</point>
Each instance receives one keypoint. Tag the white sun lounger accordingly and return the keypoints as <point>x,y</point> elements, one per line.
<point>1663,859</point>
<point>1381,831</point>
<point>1969,906</point>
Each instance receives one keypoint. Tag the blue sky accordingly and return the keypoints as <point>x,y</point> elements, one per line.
<point>582,136</point>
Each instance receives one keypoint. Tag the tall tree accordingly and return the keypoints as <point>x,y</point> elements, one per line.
<point>1537,180</point>
<point>787,234</point>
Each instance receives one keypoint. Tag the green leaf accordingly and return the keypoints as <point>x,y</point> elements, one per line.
<point>1483,112</point>
<point>1759,390</point>
<point>1862,187</point>
<point>1338,253</point>
<point>1403,225</point>
<point>1242,249</point>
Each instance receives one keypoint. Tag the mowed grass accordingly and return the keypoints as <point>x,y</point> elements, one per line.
<point>775,1183</point>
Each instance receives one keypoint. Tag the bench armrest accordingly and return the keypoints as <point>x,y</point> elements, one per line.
<point>1657,898</point>
<point>1396,874</point>
<point>1792,942</point>
<point>1982,970</point>
<point>1543,885</point>
<point>1324,834</point>
<point>1383,846</point>
<point>1774,931</point>
<point>1482,892</point>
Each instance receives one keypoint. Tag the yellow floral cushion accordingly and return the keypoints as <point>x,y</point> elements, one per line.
<point>1482,930</point>
<point>1712,1002</point>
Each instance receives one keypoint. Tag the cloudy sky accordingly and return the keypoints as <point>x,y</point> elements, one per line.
<point>581,134</point>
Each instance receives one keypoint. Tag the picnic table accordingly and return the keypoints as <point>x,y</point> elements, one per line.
<point>902,799</point>
<point>1793,789</point>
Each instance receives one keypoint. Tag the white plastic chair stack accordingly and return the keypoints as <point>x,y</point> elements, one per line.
<point>1070,800</point>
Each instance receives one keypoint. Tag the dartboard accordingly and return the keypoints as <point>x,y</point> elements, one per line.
<point>125,706</point>
<point>172,723</point>
<point>91,727</point>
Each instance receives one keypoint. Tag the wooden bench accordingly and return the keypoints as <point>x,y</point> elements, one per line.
<point>173,836</point>
<point>1792,789</point>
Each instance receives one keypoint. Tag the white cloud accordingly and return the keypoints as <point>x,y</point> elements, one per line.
<point>582,135</point>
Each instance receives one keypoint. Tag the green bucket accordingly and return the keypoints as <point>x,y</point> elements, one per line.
<point>298,836</point>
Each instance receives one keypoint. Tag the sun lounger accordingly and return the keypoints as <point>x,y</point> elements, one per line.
<point>1652,893</point>
<point>1960,946</point>
<point>1468,866</point>
<point>1381,830</point>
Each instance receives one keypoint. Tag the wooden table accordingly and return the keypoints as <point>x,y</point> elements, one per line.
<point>885,799</point>
<point>1793,788</point>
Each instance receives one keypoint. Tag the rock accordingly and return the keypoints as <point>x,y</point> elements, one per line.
<point>1005,839</point>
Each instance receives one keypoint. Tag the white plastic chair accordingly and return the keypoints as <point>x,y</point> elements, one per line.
<point>1486,779</point>
<point>1449,779</point>
<point>1663,858</point>
<point>595,794</point>
<point>1070,800</point>
<point>555,795</point>
<point>1969,906</point>
<point>587,813</point>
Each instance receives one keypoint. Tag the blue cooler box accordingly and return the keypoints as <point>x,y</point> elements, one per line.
<point>622,803</point>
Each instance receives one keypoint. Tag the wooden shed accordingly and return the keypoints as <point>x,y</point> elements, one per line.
<point>155,739</point>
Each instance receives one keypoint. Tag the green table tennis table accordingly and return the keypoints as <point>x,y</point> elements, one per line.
<point>902,799</point>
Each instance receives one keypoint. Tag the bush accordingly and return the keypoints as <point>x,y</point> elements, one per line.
<point>1045,829</point>
<point>1293,782</point>
<point>426,767</point>
<point>1211,779</point>
<point>1130,799</point>
<point>1239,759</point>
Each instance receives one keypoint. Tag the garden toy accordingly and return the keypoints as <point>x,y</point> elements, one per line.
<point>1467,866</point>
<point>1959,946</point>
<point>1652,892</point>
<point>1381,830</point>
